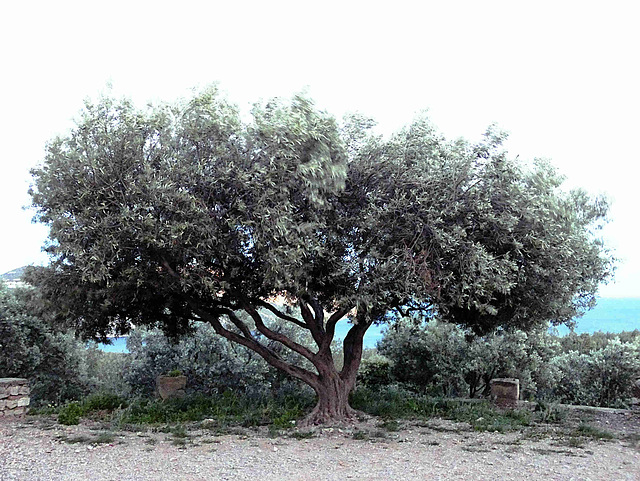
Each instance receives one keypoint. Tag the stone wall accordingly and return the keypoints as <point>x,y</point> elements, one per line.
<point>14,396</point>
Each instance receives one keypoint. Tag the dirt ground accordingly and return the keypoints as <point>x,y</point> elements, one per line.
<point>37,448</point>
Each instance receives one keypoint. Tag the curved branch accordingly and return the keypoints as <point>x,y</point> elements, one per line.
<point>238,323</point>
<point>267,354</point>
<point>330,328</point>
<point>276,336</point>
<point>312,322</point>
<point>279,314</point>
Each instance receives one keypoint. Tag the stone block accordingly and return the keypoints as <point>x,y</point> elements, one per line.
<point>505,391</point>
<point>25,390</point>
<point>23,402</point>
<point>4,394</point>
<point>15,412</point>
<point>14,390</point>
<point>11,404</point>
<point>3,404</point>
<point>171,386</point>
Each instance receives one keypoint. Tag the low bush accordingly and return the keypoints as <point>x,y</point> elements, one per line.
<point>212,364</point>
<point>226,408</point>
<point>395,402</point>
<point>103,402</point>
<point>443,360</point>
<point>603,377</point>
<point>375,372</point>
<point>70,414</point>
<point>53,361</point>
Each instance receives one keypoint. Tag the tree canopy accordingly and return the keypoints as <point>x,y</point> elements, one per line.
<point>184,213</point>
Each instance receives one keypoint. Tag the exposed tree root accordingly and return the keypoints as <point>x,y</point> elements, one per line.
<point>344,416</point>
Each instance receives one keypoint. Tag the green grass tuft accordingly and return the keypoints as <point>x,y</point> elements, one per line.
<point>70,414</point>
<point>589,431</point>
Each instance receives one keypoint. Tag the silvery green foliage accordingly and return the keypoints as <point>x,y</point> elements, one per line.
<point>602,377</point>
<point>152,209</point>
<point>444,360</point>
<point>53,362</point>
<point>182,213</point>
<point>211,364</point>
<point>511,353</point>
<point>106,371</point>
<point>431,357</point>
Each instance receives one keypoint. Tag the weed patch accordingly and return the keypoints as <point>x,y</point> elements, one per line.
<point>548,451</point>
<point>102,438</point>
<point>390,425</point>
<point>586,430</point>
<point>302,435</point>
<point>360,435</point>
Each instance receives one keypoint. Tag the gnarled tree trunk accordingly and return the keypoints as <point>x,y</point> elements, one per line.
<point>333,403</point>
<point>332,386</point>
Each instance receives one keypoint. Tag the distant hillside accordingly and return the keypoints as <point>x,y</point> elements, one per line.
<point>14,275</point>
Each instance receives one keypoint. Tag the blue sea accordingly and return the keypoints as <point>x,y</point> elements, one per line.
<point>609,315</point>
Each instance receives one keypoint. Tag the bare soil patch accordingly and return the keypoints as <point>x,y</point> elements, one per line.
<point>38,448</point>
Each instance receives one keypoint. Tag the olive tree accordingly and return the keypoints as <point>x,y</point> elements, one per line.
<point>186,213</point>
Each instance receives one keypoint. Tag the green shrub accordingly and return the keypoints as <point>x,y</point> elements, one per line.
<point>375,372</point>
<point>441,359</point>
<point>212,364</point>
<point>103,402</point>
<point>52,361</point>
<point>390,403</point>
<point>226,408</point>
<point>602,377</point>
<point>70,414</point>
<point>106,372</point>
<point>427,357</point>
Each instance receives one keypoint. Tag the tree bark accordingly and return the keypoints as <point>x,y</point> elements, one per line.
<point>333,399</point>
<point>331,386</point>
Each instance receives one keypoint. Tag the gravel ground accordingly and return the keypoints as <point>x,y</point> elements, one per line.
<point>39,449</point>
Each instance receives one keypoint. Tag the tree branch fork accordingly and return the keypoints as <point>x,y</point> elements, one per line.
<point>314,319</point>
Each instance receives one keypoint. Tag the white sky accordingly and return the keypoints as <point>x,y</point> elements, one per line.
<point>562,76</point>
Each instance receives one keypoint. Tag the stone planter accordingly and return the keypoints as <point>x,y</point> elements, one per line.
<point>14,396</point>
<point>171,386</point>
<point>505,392</point>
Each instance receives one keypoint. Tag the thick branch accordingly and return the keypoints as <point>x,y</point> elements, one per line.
<point>352,347</point>
<point>276,336</point>
<point>169,269</point>
<point>281,315</point>
<point>267,354</point>
<point>330,328</point>
<point>312,323</point>
<point>318,311</point>
<point>238,323</point>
